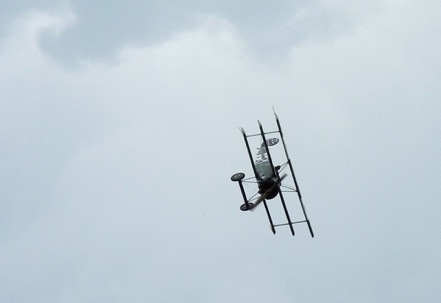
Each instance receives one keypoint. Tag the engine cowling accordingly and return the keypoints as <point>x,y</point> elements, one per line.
<point>269,188</point>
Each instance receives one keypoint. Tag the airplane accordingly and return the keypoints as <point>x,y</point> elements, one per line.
<point>269,178</point>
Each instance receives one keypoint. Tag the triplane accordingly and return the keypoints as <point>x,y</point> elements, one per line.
<point>269,177</point>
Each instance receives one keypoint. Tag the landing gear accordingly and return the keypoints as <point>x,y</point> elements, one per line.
<point>237,177</point>
<point>246,206</point>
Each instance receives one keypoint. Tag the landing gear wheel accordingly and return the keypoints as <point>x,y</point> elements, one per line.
<point>237,177</point>
<point>244,207</point>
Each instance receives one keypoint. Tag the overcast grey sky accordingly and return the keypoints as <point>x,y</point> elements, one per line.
<point>119,134</point>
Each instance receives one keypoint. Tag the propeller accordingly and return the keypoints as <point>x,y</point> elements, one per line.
<point>267,192</point>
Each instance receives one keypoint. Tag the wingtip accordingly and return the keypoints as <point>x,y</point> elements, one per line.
<point>275,115</point>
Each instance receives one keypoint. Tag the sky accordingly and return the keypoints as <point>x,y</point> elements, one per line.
<point>119,135</point>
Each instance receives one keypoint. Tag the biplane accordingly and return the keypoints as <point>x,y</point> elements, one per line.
<point>271,180</point>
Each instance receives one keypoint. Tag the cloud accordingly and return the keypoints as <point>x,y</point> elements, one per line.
<point>118,164</point>
<point>116,173</point>
<point>270,29</point>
